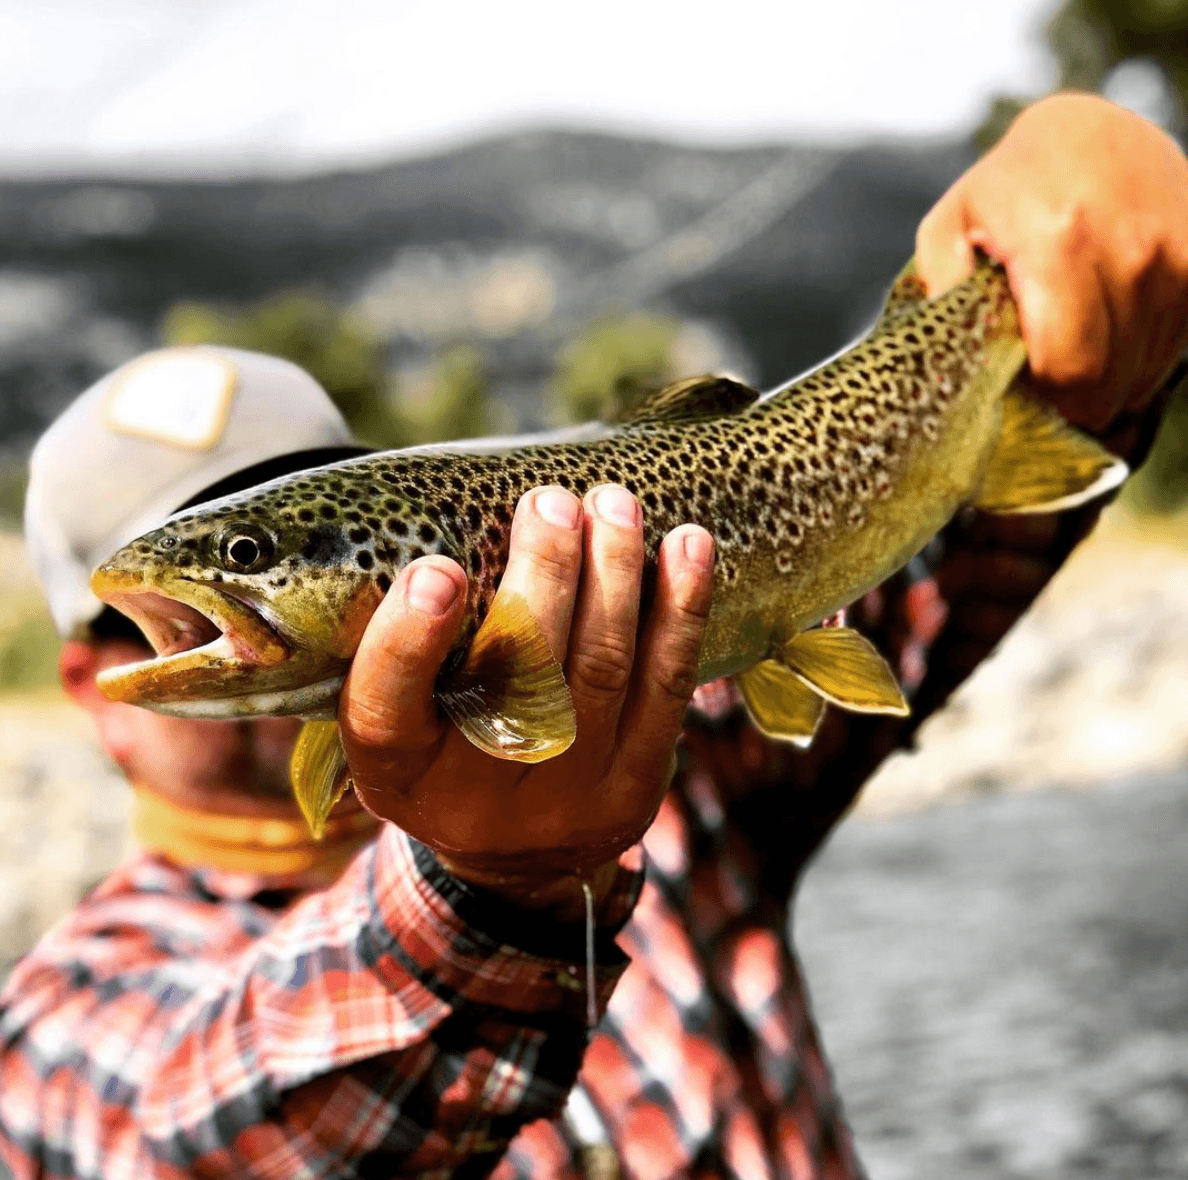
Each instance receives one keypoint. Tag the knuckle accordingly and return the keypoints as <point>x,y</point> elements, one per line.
<point>603,666</point>
<point>673,670</point>
<point>1138,253</point>
<point>554,558</point>
<point>675,679</point>
<point>1068,229</point>
<point>620,556</point>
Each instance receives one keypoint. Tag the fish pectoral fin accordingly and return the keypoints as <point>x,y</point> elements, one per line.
<point>1041,463</point>
<point>690,399</point>
<point>319,773</point>
<point>779,703</point>
<point>845,668</point>
<point>509,697</point>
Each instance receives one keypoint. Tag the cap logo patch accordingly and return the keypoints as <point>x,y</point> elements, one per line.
<point>177,396</point>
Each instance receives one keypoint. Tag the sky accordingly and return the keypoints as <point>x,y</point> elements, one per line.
<point>225,87</point>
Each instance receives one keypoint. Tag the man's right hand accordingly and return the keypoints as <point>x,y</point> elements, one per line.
<point>532,832</point>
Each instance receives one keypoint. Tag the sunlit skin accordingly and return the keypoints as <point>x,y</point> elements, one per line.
<point>1087,207</point>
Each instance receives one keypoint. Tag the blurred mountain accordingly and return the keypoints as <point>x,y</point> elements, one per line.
<point>514,245</point>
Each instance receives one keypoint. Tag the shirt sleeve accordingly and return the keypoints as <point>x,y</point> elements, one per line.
<point>399,1022</point>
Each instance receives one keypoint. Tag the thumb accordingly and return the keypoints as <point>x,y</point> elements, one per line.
<point>944,249</point>
<point>387,703</point>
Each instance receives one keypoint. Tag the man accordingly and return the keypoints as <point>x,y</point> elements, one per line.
<point>207,1012</point>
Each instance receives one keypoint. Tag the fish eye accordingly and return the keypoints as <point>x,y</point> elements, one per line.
<point>245,548</point>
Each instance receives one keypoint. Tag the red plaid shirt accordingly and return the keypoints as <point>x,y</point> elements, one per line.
<point>401,1023</point>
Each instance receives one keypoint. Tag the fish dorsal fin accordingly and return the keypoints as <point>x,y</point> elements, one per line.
<point>1041,463</point>
<point>509,697</point>
<point>780,704</point>
<point>318,771</point>
<point>907,293</point>
<point>690,399</point>
<point>844,668</point>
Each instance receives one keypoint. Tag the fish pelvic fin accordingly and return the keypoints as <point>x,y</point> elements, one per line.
<point>689,400</point>
<point>509,697</point>
<point>1041,463</point>
<point>319,773</point>
<point>780,704</point>
<point>845,668</point>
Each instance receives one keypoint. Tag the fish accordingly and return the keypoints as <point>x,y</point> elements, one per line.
<point>814,492</point>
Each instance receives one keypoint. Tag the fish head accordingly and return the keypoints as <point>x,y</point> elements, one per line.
<point>255,603</point>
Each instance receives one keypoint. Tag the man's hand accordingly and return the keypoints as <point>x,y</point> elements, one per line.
<point>1086,205</point>
<point>530,831</point>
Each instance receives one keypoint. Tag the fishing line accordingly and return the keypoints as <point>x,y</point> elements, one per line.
<point>591,1001</point>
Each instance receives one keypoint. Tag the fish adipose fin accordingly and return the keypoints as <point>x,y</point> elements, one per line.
<point>779,703</point>
<point>509,697</point>
<point>1041,463</point>
<point>689,400</point>
<point>318,772</point>
<point>845,668</point>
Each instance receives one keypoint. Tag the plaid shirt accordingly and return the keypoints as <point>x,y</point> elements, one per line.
<point>402,1023</point>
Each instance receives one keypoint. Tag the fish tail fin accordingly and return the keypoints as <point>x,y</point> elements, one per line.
<point>318,771</point>
<point>1041,463</point>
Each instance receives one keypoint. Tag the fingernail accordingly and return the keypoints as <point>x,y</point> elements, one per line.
<point>699,548</point>
<point>431,591</point>
<point>616,505</point>
<point>558,508</point>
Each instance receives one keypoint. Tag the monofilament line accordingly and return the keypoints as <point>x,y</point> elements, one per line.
<point>591,998</point>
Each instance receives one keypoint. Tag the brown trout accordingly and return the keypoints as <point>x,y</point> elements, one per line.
<point>814,493</point>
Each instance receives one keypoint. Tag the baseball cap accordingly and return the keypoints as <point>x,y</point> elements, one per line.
<point>153,436</point>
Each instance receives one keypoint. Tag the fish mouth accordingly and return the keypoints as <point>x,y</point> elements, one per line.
<point>197,632</point>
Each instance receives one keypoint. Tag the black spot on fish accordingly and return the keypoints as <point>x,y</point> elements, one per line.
<point>474,518</point>
<point>383,582</point>
<point>323,544</point>
<point>358,536</point>
<point>327,512</point>
<point>364,559</point>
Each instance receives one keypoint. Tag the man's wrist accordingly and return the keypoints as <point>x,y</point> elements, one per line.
<point>557,896</point>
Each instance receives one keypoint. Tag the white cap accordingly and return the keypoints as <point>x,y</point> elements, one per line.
<point>141,442</point>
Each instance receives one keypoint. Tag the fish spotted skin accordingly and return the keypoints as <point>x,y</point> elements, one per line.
<point>813,494</point>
